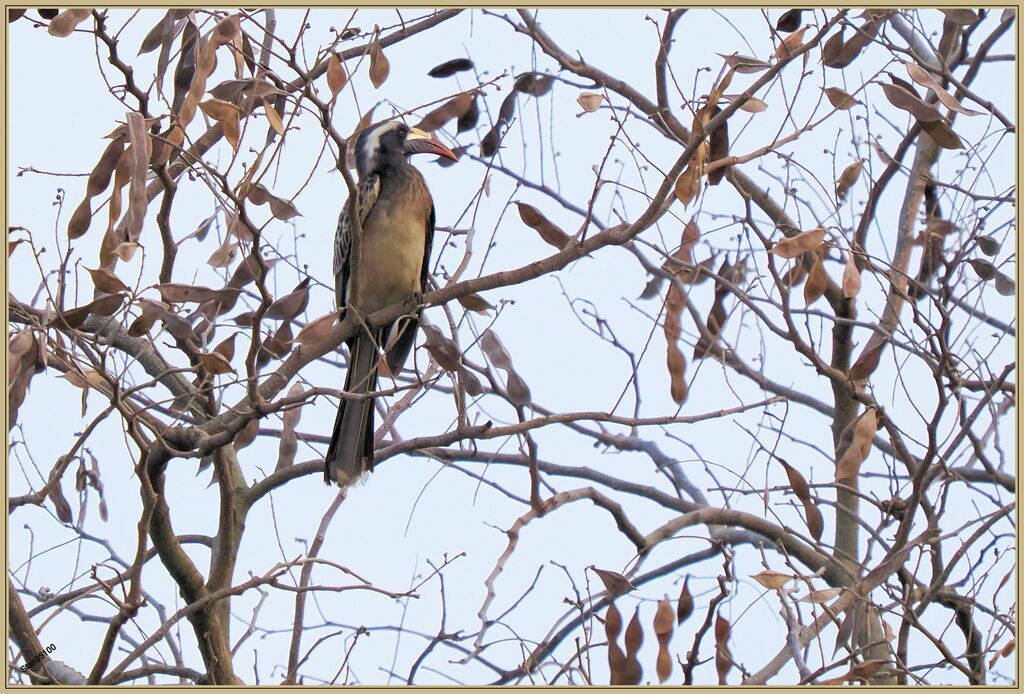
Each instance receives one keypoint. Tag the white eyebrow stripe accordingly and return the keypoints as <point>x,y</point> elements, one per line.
<point>373,142</point>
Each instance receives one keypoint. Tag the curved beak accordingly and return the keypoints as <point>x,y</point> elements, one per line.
<point>421,142</point>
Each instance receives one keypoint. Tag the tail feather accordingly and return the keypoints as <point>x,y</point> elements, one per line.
<point>350,453</point>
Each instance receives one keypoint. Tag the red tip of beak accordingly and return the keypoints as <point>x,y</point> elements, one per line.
<point>430,146</point>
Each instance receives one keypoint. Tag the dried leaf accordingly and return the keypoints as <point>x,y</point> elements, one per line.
<point>443,350</point>
<point>840,99</point>
<point>336,77</point>
<point>812,515</point>
<point>451,67</point>
<point>454,108</point>
<point>467,121</point>
<point>688,185</point>
<point>943,135</point>
<point>902,99</point>
<point>490,142</point>
<point>224,255</point>
<point>820,597</point>
<point>317,330</point>
<point>633,640</point>
<point>289,421</point>
<point>98,181</point>
<point>1005,284</point>
<point>614,582</point>
<point>790,44</point>
<point>56,495</point>
<point>988,245</point>
<point>62,25</point>
<point>744,64</point>
<point>475,302</point>
<point>773,580</point>
<point>106,281</point>
<point>616,658</point>
<point>534,83</point>
<point>867,362</point>
<point>664,625</point>
<point>292,304</point>
<point>380,68</point>
<point>789,21</point>
<point>925,79</point>
<point>279,207</point>
<point>273,117</point>
<point>550,233</point>
<point>799,244</point>
<point>848,178</point>
<point>173,293</point>
<point>684,606</point>
<point>718,143</point>
<point>863,429</point>
<point>215,364</point>
<point>106,305</point>
<point>589,101</point>
<point>851,277</point>
<point>984,269</point>
<point>723,658</point>
<point>817,281</point>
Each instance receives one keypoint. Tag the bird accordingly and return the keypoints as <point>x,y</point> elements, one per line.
<point>396,212</point>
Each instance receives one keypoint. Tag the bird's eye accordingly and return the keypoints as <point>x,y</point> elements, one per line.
<point>403,130</point>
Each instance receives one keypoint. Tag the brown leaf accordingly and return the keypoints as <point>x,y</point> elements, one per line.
<point>589,101</point>
<point>550,233</point>
<point>490,142</point>
<point>633,640</point>
<point>803,242</point>
<point>467,121</point>
<point>1005,284</point>
<point>817,281</point>
<point>911,103</point>
<point>867,362</point>
<point>336,77</point>
<point>62,25</point>
<point>614,582</point>
<point>475,302</point>
<point>455,107</point>
<point>688,184</point>
<point>279,207</point>
<point>984,269</point>
<point>840,99</point>
<point>56,495</point>
<point>224,255</point>
<point>317,330</point>
<point>98,181</point>
<point>925,79</point>
<point>616,658</point>
<point>106,281</point>
<point>943,135</point>
<point>137,199</point>
<point>443,350</point>
<point>812,515</point>
<point>273,117</point>
<point>215,364</point>
<point>744,64</point>
<point>289,441</point>
<point>723,658</point>
<point>684,606</point>
<point>851,277</point>
<point>106,305</point>
<point>664,624</point>
<point>864,429</point>
<point>988,245</point>
<point>789,21</point>
<point>380,68</point>
<point>451,67</point>
<point>848,178</point>
<point>790,44</point>
<point>534,83</point>
<point>173,293</point>
<point>820,597</point>
<point>292,304</point>
<point>718,143</point>
<point>773,580</point>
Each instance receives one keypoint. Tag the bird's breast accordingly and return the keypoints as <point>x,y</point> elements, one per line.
<point>394,241</point>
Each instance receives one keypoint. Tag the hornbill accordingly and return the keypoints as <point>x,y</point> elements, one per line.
<point>396,213</point>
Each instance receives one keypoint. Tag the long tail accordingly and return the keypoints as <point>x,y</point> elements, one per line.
<point>350,454</point>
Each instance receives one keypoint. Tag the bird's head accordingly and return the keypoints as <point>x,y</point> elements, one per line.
<point>388,144</point>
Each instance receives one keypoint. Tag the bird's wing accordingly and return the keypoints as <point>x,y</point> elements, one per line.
<point>427,245</point>
<point>366,196</point>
